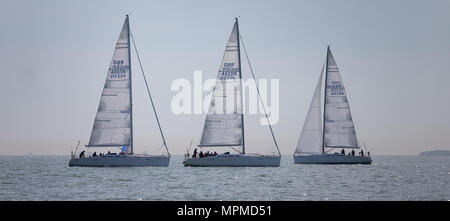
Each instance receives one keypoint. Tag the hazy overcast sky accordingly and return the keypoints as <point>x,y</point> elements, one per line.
<point>393,56</point>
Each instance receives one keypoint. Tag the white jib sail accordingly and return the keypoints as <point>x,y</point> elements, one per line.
<point>112,125</point>
<point>223,124</point>
<point>310,141</point>
<point>339,130</point>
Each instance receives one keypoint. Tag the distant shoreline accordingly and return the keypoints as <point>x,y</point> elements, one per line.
<point>435,153</point>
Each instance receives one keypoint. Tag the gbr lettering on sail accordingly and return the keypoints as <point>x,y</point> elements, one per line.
<point>228,71</point>
<point>119,69</point>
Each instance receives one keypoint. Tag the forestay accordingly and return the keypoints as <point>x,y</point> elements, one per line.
<point>112,125</point>
<point>310,141</point>
<point>338,130</point>
<point>223,124</point>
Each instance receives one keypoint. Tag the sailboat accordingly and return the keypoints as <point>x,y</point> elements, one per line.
<point>113,125</point>
<point>224,124</point>
<point>338,131</point>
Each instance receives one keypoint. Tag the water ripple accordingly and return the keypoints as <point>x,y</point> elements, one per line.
<point>388,178</point>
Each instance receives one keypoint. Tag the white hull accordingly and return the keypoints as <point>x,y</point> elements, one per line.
<point>332,159</point>
<point>129,160</point>
<point>234,160</point>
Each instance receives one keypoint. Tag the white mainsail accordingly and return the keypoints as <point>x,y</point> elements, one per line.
<point>339,130</point>
<point>223,124</point>
<point>310,141</point>
<point>112,125</point>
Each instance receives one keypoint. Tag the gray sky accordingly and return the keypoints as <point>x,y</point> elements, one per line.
<point>393,58</point>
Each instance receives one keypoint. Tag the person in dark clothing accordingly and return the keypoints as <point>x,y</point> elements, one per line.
<point>353,152</point>
<point>195,153</point>
<point>82,154</point>
<point>362,152</point>
<point>94,154</point>
<point>201,154</point>
<point>343,151</point>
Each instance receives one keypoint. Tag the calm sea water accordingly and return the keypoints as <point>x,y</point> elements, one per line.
<point>388,178</point>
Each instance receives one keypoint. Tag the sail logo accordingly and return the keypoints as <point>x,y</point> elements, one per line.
<point>336,89</point>
<point>228,71</point>
<point>224,97</point>
<point>118,69</point>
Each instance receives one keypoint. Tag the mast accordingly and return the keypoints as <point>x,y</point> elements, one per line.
<point>240,77</point>
<point>324,102</point>
<point>131,100</point>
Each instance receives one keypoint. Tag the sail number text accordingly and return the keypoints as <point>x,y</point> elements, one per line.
<point>336,88</point>
<point>118,69</point>
<point>228,71</point>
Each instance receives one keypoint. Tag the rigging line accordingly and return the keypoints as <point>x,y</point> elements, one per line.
<point>76,148</point>
<point>359,139</point>
<point>235,149</point>
<point>259,95</point>
<point>149,95</point>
